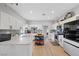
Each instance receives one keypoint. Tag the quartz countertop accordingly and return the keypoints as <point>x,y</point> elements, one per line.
<point>19,39</point>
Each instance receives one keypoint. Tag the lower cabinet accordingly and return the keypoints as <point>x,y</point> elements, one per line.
<point>23,50</point>
<point>16,50</point>
<point>52,37</point>
<point>60,38</point>
<point>8,21</point>
<point>70,49</point>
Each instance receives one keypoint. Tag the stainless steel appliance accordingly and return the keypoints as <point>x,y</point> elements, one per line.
<point>71,30</point>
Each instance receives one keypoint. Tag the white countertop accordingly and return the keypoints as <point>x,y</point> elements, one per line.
<point>22,39</point>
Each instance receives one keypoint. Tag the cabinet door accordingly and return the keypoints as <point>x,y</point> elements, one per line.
<point>73,51</point>
<point>5,50</point>
<point>61,40</point>
<point>10,22</point>
<point>23,50</point>
<point>5,21</point>
<point>17,24</point>
<point>14,23</point>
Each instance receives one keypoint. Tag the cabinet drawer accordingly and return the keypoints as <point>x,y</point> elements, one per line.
<point>71,49</point>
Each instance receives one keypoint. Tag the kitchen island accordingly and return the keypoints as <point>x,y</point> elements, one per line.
<point>17,46</point>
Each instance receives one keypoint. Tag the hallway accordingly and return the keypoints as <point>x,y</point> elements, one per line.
<point>48,49</point>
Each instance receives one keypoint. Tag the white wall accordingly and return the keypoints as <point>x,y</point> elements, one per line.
<point>76,10</point>
<point>40,22</point>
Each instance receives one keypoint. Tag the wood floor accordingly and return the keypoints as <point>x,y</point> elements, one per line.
<point>48,50</point>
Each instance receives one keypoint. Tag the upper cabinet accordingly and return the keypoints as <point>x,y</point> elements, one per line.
<point>4,21</point>
<point>8,21</point>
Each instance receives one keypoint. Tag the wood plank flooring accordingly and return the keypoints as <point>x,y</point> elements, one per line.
<point>48,50</point>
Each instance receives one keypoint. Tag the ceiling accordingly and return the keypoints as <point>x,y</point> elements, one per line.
<point>41,11</point>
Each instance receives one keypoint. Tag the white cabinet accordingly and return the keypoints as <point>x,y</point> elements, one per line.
<point>23,50</point>
<point>52,37</point>
<point>14,23</point>
<point>15,50</point>
<point>8,21</point>
<point>6,50</point>
<point>70,49</point>
<point>5,21</point>
<point>60,38</point>
<point>18,25</point>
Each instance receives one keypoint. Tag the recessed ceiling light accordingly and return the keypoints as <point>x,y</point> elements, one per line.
<point>16,4</point>
<point>48,18</point>
<point>31,12</point>
<point>52,12</point>
<point>43,14</point>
